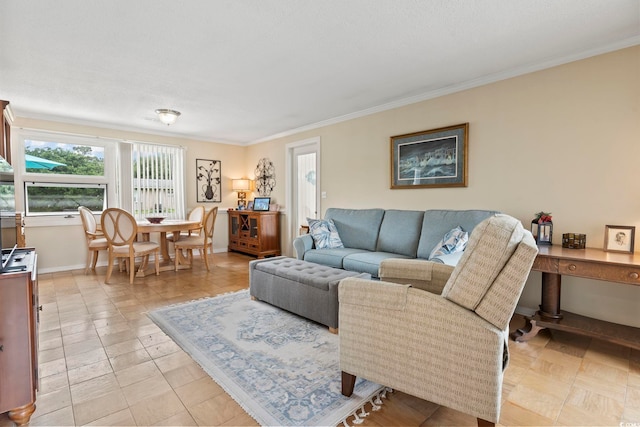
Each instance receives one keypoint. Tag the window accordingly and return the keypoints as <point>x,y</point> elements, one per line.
<point>158,180</point>
<point>61,172</point>
<point>54,198</point>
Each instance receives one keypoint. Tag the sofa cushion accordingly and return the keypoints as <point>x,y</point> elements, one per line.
<point>489,249</point>
<point>400,232</point>
<point>324,233</point>
<point>330,257</point>
<point>368,262</point>
<point>437,222</point>
<point>358,228</point>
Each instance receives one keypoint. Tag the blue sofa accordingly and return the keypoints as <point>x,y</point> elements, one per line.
<point>372,235</point>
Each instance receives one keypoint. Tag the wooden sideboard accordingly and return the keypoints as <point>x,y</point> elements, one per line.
<point>555,262</point>
<point>253,232</point>
<point>19,318</point>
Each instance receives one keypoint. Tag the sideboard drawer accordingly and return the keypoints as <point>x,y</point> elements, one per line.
<point>606,272</point>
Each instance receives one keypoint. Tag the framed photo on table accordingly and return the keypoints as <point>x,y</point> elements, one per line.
<point>619,238</point>
<point>431,158</point>
<point>261,204</point>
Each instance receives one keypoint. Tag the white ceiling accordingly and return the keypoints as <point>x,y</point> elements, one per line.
<point>242,71</point>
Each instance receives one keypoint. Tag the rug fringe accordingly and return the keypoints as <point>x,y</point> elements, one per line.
<point>375,400</point>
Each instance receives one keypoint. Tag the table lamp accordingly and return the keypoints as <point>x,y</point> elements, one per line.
<point>241,186</point>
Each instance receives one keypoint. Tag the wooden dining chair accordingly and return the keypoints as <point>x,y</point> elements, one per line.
<point>120,229</point>
<point>202,242</point>
<point>94,237</point>
<point>196,214</point>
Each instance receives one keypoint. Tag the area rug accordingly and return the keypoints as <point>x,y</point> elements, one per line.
<point>281,368</point>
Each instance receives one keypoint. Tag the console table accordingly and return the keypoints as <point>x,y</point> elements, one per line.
<point>591,263</point>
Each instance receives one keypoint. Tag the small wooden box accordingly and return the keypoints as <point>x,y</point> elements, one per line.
<point>574,241</point>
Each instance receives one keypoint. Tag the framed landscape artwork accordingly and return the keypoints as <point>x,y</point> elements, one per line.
<point>431,158</point>
<point>208,179</point>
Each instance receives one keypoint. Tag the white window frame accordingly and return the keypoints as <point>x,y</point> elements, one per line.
<point>21,175</point>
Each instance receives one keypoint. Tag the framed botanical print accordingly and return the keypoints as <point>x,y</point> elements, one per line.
<point>208,180</point>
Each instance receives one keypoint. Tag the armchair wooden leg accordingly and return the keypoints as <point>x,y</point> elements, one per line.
<point>348,383</point>
<point>485,423</point>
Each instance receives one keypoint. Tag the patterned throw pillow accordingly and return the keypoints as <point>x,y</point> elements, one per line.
<point>324,234</point>
<point>454,241</point>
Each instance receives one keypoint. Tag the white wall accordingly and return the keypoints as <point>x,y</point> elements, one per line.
<point>564,140</point>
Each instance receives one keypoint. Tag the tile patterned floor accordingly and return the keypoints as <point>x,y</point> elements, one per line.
<point>103,362</point>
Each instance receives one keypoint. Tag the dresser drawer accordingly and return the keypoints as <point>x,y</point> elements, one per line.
<point>608,272</point>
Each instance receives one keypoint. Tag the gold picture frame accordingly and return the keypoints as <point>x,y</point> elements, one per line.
<point>431,158</point>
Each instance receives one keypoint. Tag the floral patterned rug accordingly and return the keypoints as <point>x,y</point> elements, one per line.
<point>281,368</point>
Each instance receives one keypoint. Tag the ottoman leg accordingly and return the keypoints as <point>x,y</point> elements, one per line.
<point>333,330</point>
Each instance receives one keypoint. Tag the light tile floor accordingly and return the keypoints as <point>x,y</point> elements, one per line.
<point>103,362</point>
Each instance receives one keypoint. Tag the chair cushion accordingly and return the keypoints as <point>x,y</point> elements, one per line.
<point>324,233</point>
<point>100,243</point>
<point>491,245</point>
<point>190,241</point>
<point>138,247</point>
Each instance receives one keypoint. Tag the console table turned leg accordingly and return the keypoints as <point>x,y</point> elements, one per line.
<point>527,332</point>
<point>22,415</point>
<point>549,308</point>
<point>551,287</point>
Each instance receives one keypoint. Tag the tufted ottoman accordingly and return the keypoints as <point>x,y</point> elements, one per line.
<point>301,287</point>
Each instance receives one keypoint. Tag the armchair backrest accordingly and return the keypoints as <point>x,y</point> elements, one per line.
<point>209,225</point>
<point>119,227</point>
<point>88,220</point>
<point>196,214</point>
<point>491,274</point>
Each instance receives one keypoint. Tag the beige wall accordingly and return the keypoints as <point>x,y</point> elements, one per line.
<point>563,140</point>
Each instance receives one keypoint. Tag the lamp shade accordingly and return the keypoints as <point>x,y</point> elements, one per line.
<point>166,116</point>
<point>241,184</point>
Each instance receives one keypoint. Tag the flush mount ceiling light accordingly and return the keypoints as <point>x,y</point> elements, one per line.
<point>166,116</point>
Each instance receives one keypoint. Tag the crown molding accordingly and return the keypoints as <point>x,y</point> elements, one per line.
<point>470,84</point>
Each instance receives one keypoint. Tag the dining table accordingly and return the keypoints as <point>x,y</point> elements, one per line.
<point>173,226</point>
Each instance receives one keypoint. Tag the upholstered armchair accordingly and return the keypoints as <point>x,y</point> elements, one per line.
<point>439,333</point>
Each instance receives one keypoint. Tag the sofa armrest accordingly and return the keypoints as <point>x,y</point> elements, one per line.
<point>421,274</point>
<point>302,244</point>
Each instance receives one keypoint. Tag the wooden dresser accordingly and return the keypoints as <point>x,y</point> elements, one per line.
<point>555,262</point>
<point>19,318</point>
<point>255,233</point>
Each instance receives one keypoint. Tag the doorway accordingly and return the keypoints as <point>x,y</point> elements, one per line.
<point>304,194</point>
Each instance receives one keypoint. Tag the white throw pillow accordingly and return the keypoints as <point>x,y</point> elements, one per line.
<point>324,233</point>
<point>454,241</point>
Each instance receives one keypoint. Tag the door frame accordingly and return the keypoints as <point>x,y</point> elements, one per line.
<point>314,144</point>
